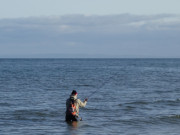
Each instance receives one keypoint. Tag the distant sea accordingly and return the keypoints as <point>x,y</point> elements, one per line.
<point>128,96</point>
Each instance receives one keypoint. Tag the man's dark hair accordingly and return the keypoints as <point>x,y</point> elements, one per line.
<point>74,92</point>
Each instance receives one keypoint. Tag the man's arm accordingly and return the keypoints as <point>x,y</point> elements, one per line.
<point>82,104</point>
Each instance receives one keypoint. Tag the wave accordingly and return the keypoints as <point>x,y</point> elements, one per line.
<point>85,85</point>
<point>5,104</point>
<point>34,114</point>
<point>139,102</point>
<point>92,109</point>
<point>154,120</point>
<point>142,102</point>
<point>168,101</point>
<point>170,117</point>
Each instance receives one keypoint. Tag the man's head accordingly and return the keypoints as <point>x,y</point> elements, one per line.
<point>74,92</point>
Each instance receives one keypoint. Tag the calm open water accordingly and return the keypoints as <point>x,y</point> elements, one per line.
<point>131,96</point>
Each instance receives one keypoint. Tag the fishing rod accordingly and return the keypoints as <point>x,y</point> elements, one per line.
<point>92,94</point>
<point>96,90</point>
<point>106,80</point>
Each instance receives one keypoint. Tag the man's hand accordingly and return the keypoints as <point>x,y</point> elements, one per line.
<point>86,99</point>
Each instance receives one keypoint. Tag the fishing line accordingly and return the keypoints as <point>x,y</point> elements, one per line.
<point>98,88</point>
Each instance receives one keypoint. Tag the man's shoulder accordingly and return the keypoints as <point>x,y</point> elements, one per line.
<point>78,100</point>
<point>67,100</point>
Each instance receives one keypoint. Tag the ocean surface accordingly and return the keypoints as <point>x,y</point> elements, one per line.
<point>126,96</point>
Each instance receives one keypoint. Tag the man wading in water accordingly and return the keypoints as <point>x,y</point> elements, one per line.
<point>72,107</point>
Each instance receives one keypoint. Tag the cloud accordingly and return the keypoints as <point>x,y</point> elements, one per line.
<point>110,35</point>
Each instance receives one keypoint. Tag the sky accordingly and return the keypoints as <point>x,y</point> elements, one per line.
<point>89,28</point>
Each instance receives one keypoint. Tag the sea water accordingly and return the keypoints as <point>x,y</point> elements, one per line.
<point>126,96</point>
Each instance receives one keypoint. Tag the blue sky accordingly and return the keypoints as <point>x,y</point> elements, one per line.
<point>26,8</point>
<point>89,28</point>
